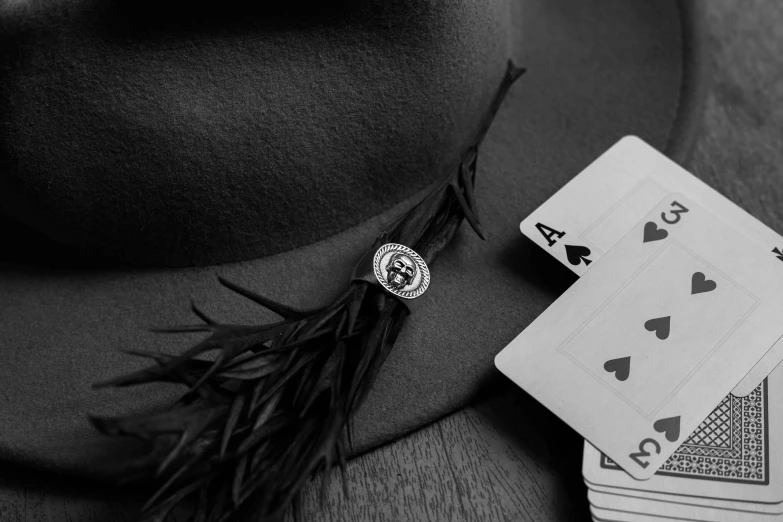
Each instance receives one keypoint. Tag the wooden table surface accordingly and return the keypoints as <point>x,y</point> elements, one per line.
<point>499,459</point>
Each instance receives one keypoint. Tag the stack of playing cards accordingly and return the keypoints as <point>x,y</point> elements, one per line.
<point>659,354</point>
<point>730,468</point>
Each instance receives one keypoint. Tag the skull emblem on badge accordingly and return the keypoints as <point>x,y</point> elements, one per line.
<point>401,271</point>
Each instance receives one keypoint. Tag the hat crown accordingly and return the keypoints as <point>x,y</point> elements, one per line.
<point>186,141</point>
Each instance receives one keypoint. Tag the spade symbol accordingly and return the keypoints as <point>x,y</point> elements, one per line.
<point>669,426</point>
<point>577,254</point>
<point>660,326</point>
<point>621,367</point>
<point>653,233</point>
<point>700,284</point>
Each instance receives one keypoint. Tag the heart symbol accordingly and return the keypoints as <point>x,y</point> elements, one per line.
<point>621,367</point>
<point>669,426</point>
<point>660,326</point>
<point>700,284</point>
<point>576,254</point>
<point>653,233</point>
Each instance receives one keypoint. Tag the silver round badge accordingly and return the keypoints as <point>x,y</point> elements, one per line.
<point>401,271</point>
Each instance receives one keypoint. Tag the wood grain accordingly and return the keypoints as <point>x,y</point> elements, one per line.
<point>506,458</point>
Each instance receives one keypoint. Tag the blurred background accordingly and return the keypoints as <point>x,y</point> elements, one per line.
<point>504,457</point>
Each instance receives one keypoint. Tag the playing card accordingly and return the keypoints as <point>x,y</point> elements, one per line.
<point>610,515</point>
<point>764,367</point>
<point>738,508</point>
<point>742,507</point>
<point>638,351</point>
<point>673,510</point>
<point>733,460</point>
<point>587,216</point>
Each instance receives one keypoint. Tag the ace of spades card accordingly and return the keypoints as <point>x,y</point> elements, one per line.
<point>593,211</point>
<point>639,350</point>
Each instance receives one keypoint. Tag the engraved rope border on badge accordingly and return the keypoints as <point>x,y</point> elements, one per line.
<point>395,254</point>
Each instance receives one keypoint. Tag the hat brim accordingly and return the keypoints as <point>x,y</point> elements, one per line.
<point>596,71</point>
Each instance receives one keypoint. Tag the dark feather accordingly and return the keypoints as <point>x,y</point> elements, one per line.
<point>201,315</point>
<point>280,309</point>
<point>467,212</point>
<point>467,175</point>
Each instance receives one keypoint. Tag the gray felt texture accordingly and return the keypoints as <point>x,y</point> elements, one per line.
<point>163,155</point>
<point>174,140</point>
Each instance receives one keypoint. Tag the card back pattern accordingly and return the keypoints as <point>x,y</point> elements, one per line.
<point>731,445</point>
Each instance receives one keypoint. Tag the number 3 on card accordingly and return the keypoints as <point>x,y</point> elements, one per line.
<point>644,453</point>
<point>677,211</point>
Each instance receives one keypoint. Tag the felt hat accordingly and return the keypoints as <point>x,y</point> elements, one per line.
<point>143,153</point>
